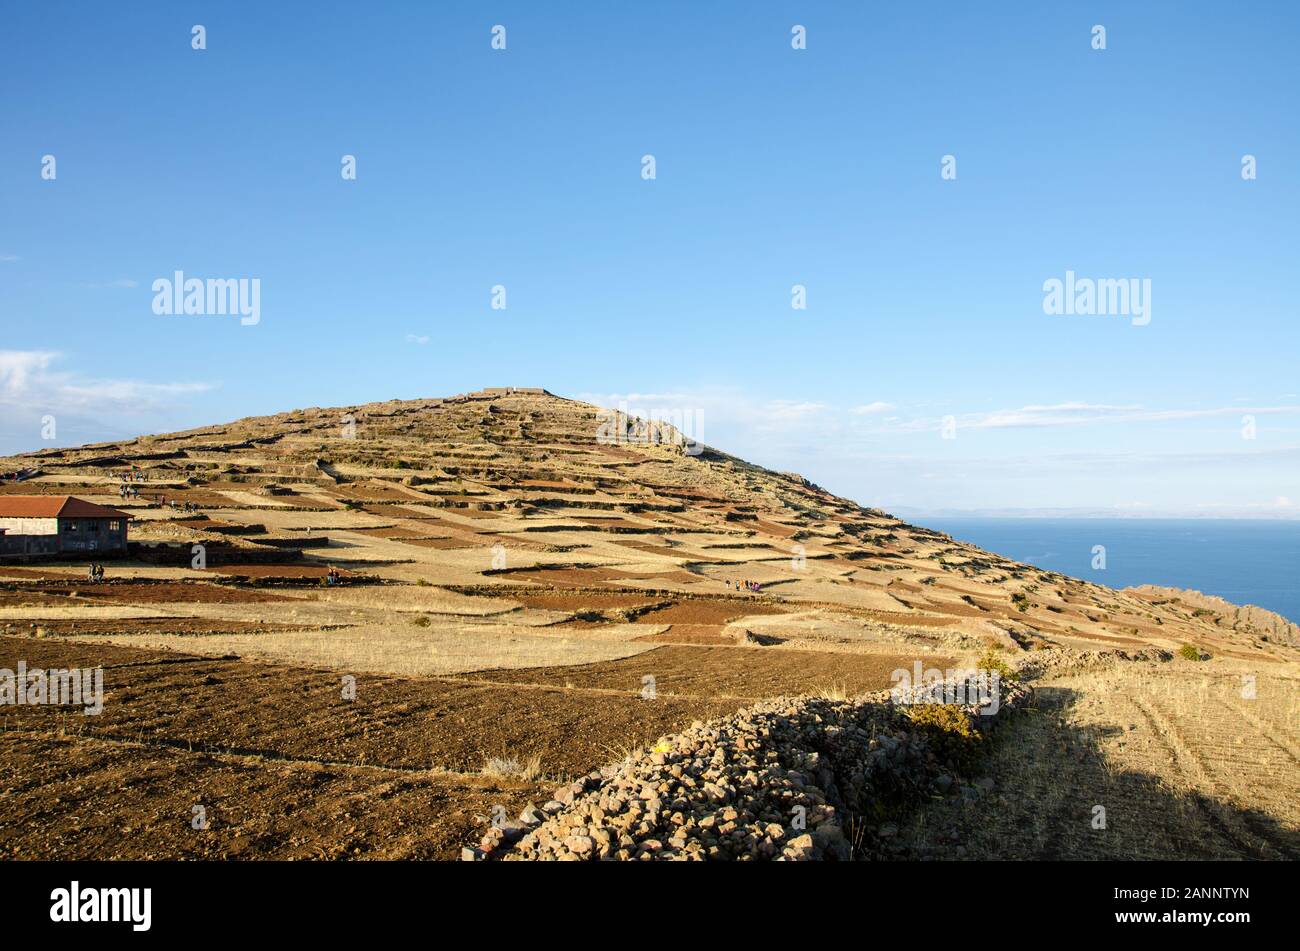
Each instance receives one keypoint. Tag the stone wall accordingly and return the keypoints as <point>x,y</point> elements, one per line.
<point>788,779</point>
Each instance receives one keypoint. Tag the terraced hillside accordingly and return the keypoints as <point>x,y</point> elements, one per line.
<point>529,588</point>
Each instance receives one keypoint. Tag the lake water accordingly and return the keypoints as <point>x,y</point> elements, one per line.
<point>1246,561</point>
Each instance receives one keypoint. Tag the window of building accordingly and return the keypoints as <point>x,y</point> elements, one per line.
<point>115,526</point>
<point>69,526</point>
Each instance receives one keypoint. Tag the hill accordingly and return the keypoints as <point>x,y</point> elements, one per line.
<point>531,588</point>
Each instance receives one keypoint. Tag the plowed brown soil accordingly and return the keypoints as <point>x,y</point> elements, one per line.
<point>708,612</point>
<point>81,797</point>
<point>133,592</point>
<point>279,711</point>
<point>303,570</point>
<point>81,627</point>
<point>745,672</point>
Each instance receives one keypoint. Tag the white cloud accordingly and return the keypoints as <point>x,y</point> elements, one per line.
<point>28,383</point>
<point>1087,414</point>
<point>792,409</point>
<point>421,339</point>
<point>870,409</point>
<point>856,453</point>
<point>724,409</point>
<point>9,258</point>
<point>17,368</point>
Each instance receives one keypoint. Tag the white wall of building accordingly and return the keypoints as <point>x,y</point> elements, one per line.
<point>30,526</point>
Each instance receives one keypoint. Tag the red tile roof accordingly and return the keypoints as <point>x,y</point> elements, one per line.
<point>54,506</point>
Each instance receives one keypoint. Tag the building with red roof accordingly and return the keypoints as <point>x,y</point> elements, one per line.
<point>59,524</point>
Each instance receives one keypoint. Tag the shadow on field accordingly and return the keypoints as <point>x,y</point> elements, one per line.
<point>1051,782</point>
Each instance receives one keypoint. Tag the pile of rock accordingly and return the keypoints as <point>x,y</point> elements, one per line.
<point>1039,663</point>
<point>788,779</point>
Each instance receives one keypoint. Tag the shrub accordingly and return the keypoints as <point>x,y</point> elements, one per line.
<point>421,621</point>
<point>1191,652</point>
<point>949,733</point>
<point>994,664</point>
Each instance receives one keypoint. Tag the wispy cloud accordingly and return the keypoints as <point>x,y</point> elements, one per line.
<point>872,409</point>
<point>421,339</point>
<point>9,258</point>
<point>1057,415</point>
<point>30,382</point>
<point>792,409</point>
<point>866,450</point>
<point>119,283</point>
<point>813,417</point>
<point>723,408</point>
<point>768,431</point>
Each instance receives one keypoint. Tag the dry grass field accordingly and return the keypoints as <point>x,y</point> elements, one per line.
<point>1184,766</point>
<point>525,600</point>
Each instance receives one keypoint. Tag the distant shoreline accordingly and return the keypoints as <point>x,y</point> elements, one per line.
<point>1246,561</point>
<point>912,515</point>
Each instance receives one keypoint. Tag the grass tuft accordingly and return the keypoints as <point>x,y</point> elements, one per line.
<point>510,767</point>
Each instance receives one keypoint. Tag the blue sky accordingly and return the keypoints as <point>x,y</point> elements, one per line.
<point>775,167</point>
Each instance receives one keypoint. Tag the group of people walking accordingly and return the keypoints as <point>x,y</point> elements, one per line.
<point>96,573</point>
<point>127,488</point>
<point>753,586</point>
<point>130,491</point>
<point>333,576</point>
